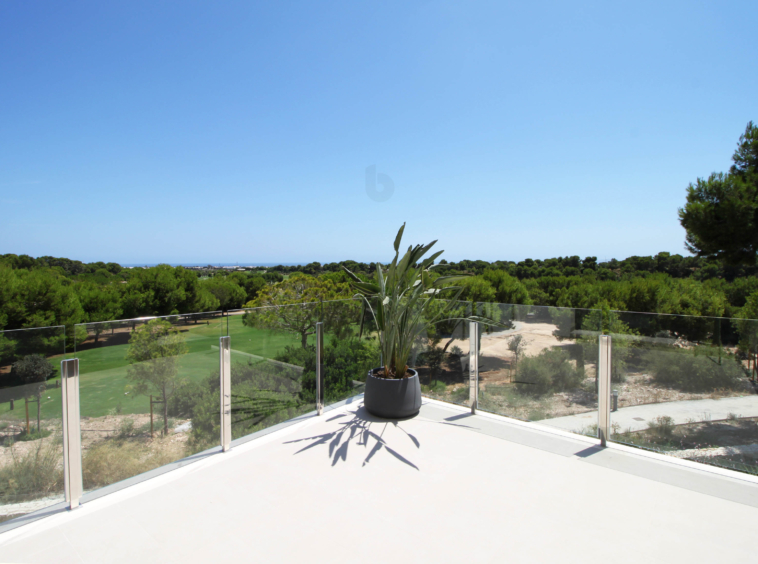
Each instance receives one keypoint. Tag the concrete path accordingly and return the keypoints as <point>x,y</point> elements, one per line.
<point>637,417</point>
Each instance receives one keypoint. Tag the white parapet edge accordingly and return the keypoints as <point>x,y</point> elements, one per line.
<point>634,451</point>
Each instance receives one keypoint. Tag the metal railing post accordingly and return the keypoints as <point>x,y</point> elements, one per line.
<point>319,368</point>
<point>473,365</point>
<point>72,438</point>
<point>225,371</point>
<point>604,390</point>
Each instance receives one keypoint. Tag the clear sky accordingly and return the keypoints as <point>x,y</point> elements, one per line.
<point>144,132</point>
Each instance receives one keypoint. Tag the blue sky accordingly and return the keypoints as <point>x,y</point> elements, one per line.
<point>144,132</point>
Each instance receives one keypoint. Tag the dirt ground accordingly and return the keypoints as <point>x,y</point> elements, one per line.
<point>494,346</point>
<point>639,389</point>
<point>497,366</point>
<point>94,430</point>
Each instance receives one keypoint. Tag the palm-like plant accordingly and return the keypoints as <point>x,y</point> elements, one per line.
<point>403,296</point>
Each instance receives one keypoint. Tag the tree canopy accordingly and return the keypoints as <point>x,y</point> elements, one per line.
<point>721,213</point>
<point>295,305</point>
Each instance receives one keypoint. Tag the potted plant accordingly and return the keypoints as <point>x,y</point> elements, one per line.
<point>400,299</point>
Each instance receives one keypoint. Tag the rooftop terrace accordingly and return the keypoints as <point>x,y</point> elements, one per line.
<point>444,486</point>
<point>562,435</point>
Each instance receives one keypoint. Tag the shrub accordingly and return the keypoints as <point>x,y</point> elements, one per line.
<point>33,435</point>
<point>436,387</point>
<point>432,357</point>
<point>33,475</point>
<point>125,428</point>
<point>549,371</point>
<point>115,460</point>
<point>696,372</point>
<point>184,398</point>
<point>31,369</point>
<point>661,429</point>
<point>345,360</point>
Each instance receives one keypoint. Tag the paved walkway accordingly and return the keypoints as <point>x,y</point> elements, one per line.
<point>445,486</point>
<point>637,417</point>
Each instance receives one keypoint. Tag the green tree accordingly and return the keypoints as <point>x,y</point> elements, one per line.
<point>229,294</point>
<point>11,307</point>
<point>47,298</point>
<point>153,352</point>
<point>100,303</point>
<point>253,285</point>
<point>160,290</point>
<point>295,305</point>
<point>477,289</point>
<point>695,304</point>
<point>33,369</point>
<point>747,327</point>
<point>721,213</point>
<point>204,301</point>
<point>508,289</point>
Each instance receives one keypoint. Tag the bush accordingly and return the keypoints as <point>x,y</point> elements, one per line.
<point>661,429</point>
<point>696,372</point>
<point>33,435</point>
<point>436,387</point>
<point>31,369</point>
<point>33,475</point>
<point>115,460</point>
<point>184,398</point>
<point>549,371</point>
<point>125,429</point>
<point>344,360</point>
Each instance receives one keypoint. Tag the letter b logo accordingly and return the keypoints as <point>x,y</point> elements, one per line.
<point>388,185</point>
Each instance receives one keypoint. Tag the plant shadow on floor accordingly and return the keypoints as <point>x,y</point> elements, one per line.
<point>359,430</point>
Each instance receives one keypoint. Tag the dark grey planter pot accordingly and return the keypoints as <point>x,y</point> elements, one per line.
<point>392,399</point>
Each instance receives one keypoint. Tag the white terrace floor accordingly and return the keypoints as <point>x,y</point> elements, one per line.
<point>442,487</point>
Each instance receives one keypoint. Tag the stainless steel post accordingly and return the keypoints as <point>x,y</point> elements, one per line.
<point>319,368</point>
<point>72,437</point>
<point>225,371</point>
<point>604,390</point>
<point>473,365</point>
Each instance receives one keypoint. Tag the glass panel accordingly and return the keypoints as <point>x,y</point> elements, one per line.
<point>685,386</point>
<point>31,451</point>
<point>541,365</point>
<point>273,365</point>
<point>351,349</point>
<point>441,356</point>
<point>148,393</point>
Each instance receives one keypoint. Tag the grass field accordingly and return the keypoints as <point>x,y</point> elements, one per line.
<point>104,388</point>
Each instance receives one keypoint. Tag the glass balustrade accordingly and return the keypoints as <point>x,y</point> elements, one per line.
<point>686,386</point>
<point>31,437</point>
<point>148,393</point>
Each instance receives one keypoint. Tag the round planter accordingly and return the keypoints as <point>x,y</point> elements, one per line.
<point>392,399</point>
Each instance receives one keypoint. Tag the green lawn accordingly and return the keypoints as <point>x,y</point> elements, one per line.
<point>103,387</point>
<point>261,342</point>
